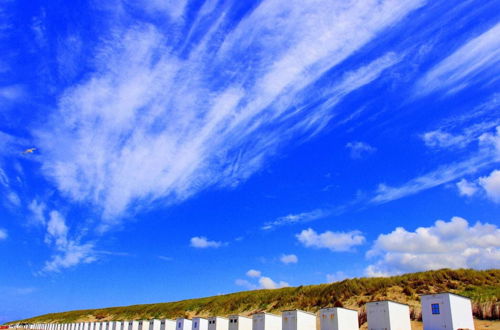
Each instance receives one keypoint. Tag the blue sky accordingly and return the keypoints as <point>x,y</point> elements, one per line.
<point>194,148</point>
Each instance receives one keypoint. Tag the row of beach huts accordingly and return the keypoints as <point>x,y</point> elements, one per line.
<point>439,311</point>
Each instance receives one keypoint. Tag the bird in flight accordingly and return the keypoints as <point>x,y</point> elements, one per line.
<point>29,151</point>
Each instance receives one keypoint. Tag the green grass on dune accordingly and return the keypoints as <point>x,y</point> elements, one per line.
<point>483,287</point>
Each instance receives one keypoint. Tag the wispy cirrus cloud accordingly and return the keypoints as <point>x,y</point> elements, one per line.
<point>477,59</point>
<point>3,234</point>
<point>486,154</point>
<point>296,218</point>
<point>68,250</point>
<point>359,149</point>
<point>152,125</point>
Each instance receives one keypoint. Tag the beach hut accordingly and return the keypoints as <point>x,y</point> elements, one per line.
<point>167,324</point>
<point>388,315</point>
<point>143,325</point>
<point>446,311</point>
<point>133,325</point>
<point>153,325</point>
<point>238,322</point>
<point>200,323</point>
<point>218,323</point>
<point>337,318</point>
<point>184,324</point>
<point>266,321</point>
<point>298,320</point>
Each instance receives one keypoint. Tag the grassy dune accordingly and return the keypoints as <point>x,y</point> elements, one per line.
<point>483,287</point>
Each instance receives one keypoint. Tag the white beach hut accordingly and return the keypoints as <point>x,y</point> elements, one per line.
<point>153,325</point>
<point>446,311</point>
<point>238,322</point>
<point>388,315</point>
<point>167,324</point>
<point>200,323</point>
<point>184,324</point>
<point>218,323</point>
<point>132,325</point>
<point>266,321</point>
<point>143,325</point>
<point>298,320</point>
<point>337,318</point>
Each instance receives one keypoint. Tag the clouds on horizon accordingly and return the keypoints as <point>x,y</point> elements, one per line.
<point>258,281</point>
<point>453,244</point>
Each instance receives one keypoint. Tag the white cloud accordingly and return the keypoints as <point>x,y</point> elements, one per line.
<point>11,93</point>
<point>71,254</point>
<point>254,273</point>
<point>4,180</point>
<point>37,209</point>
<point>442,139</point>
<point>453,244</point>
<point>334,241</point>
<point>359,149</point>
<point>488,152</point>
<point>491,185</point>
<point>165,258</point>
<point>3,234</point>
<point>478,57</point>
<point>69,251</point>
<point>466,188</point>
<point>441,175</point>
<point>56,229</point>
<point>336,277</point>
<point>150,125</point>
<point>17,291</point>
<point>245,283</point>
<point>202,242</point>
<point>173,8</point>
<point>296,218</point>
<point>492,140</point>
<point>14,199</point>
<point>263,282</point>
<point>289,259</point>
<point>267,283</point>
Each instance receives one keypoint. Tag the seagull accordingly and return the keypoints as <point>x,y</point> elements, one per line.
<point>29,151</point>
